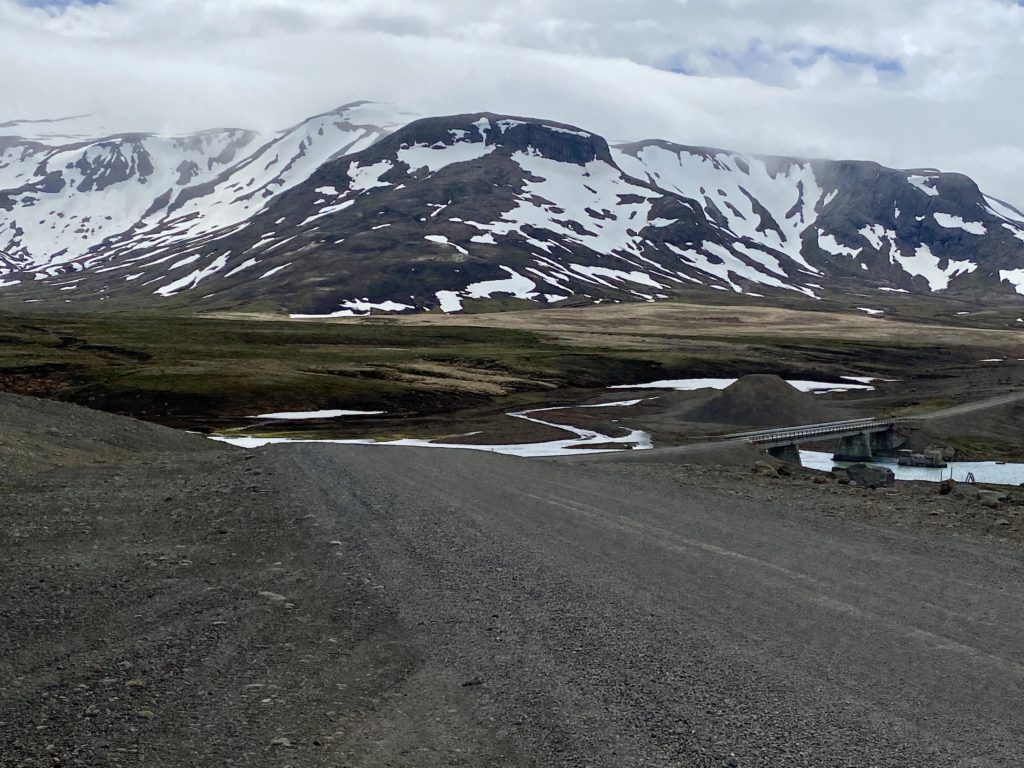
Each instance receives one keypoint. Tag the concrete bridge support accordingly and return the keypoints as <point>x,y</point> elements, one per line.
<point>855,448</point>
<point>787,453</point>
<point>887,443</point>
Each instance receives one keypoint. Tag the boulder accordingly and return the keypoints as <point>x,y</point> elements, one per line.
<point>946,487</point>
<point>990,499</point>
<point>871,476</point>
<point>967,491</point>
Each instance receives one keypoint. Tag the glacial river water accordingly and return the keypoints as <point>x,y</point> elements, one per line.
<point>983,471</point>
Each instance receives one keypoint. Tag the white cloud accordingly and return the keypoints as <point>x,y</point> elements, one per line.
<point>904,82</point>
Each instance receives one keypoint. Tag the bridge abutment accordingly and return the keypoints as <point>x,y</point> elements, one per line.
<point>788,453</point>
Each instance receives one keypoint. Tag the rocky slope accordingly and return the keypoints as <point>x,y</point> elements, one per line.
<point>342,215</point>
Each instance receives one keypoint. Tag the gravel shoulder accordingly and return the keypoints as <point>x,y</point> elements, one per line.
<point>175,605</point>
<point>169,603</point>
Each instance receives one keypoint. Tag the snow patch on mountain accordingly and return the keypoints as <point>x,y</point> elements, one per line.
<point>924,184</point>
<point>443,240</point>
<point>358,308</point>
<point>515,284</point>
<point>718,261</point>
<point>551,209</point>
<point>771,208</point>
<point>924,263</point>
<point>830,244</point>
<point>955,222</point>
<point>365,178</point>
<point>592,205</point>
<point>1015,277</point>
<point>434,158</point>
<point>450,301</point>
<point>132,192</point>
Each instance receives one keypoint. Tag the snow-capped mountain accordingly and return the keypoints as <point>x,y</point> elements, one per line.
<point>64,197</point>
<point>361,210</point>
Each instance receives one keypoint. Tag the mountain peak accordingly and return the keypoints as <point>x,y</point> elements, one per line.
<point>505,134</point>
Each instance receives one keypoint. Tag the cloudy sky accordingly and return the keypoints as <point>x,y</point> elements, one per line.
<point>906,82</point>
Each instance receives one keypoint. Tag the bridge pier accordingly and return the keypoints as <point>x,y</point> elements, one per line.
<point>855,448</point>
<point>789,453</point>
<point>859,439</point>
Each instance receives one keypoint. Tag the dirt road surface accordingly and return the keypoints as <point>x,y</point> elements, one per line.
<point>177,605</point>
<point>585,620</point>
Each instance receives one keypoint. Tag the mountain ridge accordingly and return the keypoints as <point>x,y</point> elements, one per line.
<point>356,210</point>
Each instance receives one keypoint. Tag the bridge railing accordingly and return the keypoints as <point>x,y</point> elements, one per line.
<point>806,431</point>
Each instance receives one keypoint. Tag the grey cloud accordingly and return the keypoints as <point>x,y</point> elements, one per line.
<point>782,76</point>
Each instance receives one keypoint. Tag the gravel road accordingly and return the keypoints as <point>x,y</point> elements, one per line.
<point>580,619</point>
<point>165,602</point>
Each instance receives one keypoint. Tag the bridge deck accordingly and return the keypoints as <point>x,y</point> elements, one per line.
<point>848,428</point>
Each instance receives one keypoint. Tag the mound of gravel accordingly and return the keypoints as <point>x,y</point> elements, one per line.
<point>36,434</point>
<point>763,400</point>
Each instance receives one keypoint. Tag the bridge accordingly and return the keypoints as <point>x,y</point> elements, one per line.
<point>859,439</point>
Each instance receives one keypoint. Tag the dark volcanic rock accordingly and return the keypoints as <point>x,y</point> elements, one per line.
<point>871,475</point>
<point>762,400</point>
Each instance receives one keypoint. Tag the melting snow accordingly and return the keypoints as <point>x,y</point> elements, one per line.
<point>690,385</point>
<point>726,265</point>
<point>358,308</point>
<point>365,178</point>
<point>191,281</point>
<point>436,158</point>
<point>726,182</point>
<point>305,415</point>
<point>328,211</point>
<point>274,271</point>
<point>442,240</point>
<point>483,126</point>
<point>450,301</point>
<point>516,284</point>
<point>925,264</point>
<point>830,244</point>
<point>955,222</point>
<point>1004,211</point>
<point>876,234</point>
<point>1015,277</point>
<point>1015,231</point>
<point>580,204</point>
<point>244,265</point>
<point>579,444</point>
<point>924,183</point>
<point>640,278</point>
